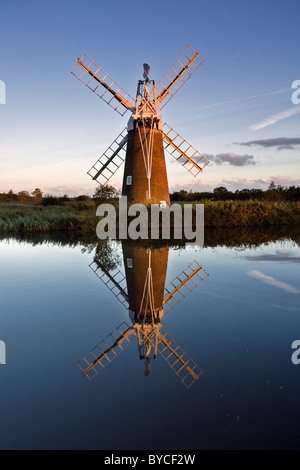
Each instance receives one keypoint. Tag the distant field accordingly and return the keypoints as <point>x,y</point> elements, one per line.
<point>34,217</point>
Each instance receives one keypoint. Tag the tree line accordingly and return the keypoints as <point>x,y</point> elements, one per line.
<point>37,196</point>
<point>221,193</point>
<point>273,193</point>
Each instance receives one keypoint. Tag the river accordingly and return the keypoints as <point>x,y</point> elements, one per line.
<point>193,345</point>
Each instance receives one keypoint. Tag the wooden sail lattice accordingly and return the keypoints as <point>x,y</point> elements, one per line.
<point>114,281</point>
<point>177,75</point>
<point>183,366</point>
<point>192,160</point>
<point>106,351</point>
<point>183,284</point>
<point>111,160</point>
<point>99,82</point>
<point>117,341</point>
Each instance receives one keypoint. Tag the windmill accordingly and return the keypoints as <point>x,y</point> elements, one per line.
<point>141,144</point>
<point>142,290</point>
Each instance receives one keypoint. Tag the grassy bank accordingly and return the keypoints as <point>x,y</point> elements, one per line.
<point>251,213</point>
<point>78,217</point>
<point>36,218</point>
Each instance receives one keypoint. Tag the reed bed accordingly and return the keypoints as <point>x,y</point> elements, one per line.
<point>38,218</point>
<point>251,213</point>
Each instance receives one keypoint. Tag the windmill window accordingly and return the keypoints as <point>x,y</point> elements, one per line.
<point>129,263</point>
<point>129,180</point>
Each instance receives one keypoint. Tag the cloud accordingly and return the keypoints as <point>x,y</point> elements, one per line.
<point>288,143</point>
<point>285,181</point>
<point>280,256</point>
<point>232,158</point>
<point>269,121</point>
<point>71,191</point>
<point>274,282</point>
<point>261,183</point>
<point>232,56</point>
<point>247,98</point>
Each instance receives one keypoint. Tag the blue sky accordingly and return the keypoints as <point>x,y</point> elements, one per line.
<point>236,108</point>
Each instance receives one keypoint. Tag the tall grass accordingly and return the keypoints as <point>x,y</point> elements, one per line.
<point>39,219</point>
<point>251,213</point>
<point>81,218</point>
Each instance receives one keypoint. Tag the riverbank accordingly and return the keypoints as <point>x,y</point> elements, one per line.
<point>77,217</point>
<point>235,237</point>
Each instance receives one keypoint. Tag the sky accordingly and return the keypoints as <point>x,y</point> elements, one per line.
<point>237,108</point>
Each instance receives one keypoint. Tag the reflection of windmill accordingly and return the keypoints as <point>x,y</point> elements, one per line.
<point>142,143</point>
<point>142,291</point>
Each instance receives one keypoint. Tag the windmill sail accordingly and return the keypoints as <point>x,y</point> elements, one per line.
<point>183,284</point>
<point>115,282</point>
<point>91,75</point>
<point>183,366</point>
<point>106,351</point>
<point>177,75</point>
<point>111,160</point>
<point>183,152</point>
<point>156,338</point>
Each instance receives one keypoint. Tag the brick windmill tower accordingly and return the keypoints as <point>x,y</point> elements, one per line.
<point>141,144</point>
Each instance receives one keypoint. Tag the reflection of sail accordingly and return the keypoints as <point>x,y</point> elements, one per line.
<point>183,285</point>
<point>116,282</point>
<point>183,366</point>
<point>106,350</point>
<point>150,337</point>
<point>144,293</point>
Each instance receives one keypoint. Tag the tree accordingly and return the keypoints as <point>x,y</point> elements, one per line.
<point>221,193</point>
<point>106,256</point>
<point>11,196</point>
<point>179,195</point>
<point>221,189</point>
<point>273,192</point>
<point>24,196</point>
<point>105,192</point>
<point>83,198</point>
<point>37,195</point>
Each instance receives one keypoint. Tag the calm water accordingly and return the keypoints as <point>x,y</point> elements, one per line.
<point>229,340</point>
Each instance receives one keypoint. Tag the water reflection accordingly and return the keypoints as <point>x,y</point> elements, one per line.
<point>140,288</point>
<point>230,237</point>
<point>237,327</point>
